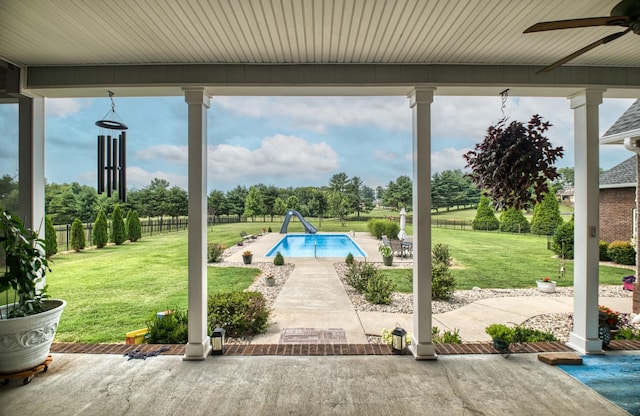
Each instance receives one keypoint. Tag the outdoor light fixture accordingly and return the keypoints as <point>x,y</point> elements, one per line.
<point>398,340</point>
<point>217,341</point>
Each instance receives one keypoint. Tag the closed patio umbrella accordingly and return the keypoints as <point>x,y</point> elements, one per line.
<point>402,234</point>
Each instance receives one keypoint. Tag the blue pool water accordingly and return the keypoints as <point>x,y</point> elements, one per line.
<point>316,245</point>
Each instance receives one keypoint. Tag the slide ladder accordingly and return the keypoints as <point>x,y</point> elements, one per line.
<point>308,227</point>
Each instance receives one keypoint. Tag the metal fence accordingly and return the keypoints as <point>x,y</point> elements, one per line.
<point>148,227</point>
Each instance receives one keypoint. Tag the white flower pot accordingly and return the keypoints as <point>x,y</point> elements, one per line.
<point>546,287</point>
<point>25,341</point>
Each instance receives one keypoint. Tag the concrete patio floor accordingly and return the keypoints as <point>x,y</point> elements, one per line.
<point>88,384</point>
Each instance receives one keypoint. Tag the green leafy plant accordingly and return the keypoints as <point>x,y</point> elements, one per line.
<point>100,230</point>
<point>546,215</point>
<point>386,251</point>
<point>379,289</point>
<point>279,259</point>
<point>386,336</point>
<point>169,329</point>
<point>563,240</point>
<point>445,337</point>
<point>118,233</point>
<point>513,221</point>
<point>440,254</point>
<point>603,247</point>
<point>241,314</point>
<point>622,252</point>
<point>215,252</point>
<point>26,264</point>
<point>134,230</point>
<point>443,283</point>
<point>78,240</point>
<point>500,331</point>
<point>358,275</point>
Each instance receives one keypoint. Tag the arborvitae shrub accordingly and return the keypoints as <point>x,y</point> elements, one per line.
<point>118,233</point>
<point>241,314</point>
<point>604,248</point>
<point>78,241</point>
<point>485,219</point>
<point>622,252</point>
<point>376,227</point>
<point>563,240</point>
<point>50,237</point>
<point>440,253</point>
<point>443,283</point>
<point>349,259</point>
<point>278,260</point>
<point>513,221</point>
<point>546,215</point>
<point>134,231</point>
<point>100,230</point>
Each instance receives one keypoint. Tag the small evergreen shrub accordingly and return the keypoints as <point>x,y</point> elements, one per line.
<point>358,275</point>
<point>78,240</point>
<point>440,253</point>
<point>622,252</point>
<point>379,289</point>
<point>604,248</point>
<point>349,259</point>
<point>391,229</point>
<point>100,230</point>
<point>278,260</point>
<point>241,314</point>
<point>376,227</point>
<point>446,337</point>
<point>50,237</point>
<point>513,221</point>
<point>443,283</point>
<point>269,230</point>
<point>118,232</point>
<point>485,219</point>
<point>215,252</point>
<point>170,329</point>
<point>563,240</point>
<point>134,230</point>
<point>546,215</point>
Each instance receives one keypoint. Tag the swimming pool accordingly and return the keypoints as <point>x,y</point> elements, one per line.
<point>316,245</point>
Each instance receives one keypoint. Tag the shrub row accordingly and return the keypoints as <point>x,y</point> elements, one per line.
<point>378,228</point>
<point>621,252</point>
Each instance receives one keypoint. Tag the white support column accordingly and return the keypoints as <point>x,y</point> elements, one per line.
<point>584,337</point>
<point>31,162</point>
<point>421,343</point>
<point>199,344</point>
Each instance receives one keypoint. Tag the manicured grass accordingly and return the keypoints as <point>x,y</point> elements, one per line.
<point>114,290</point>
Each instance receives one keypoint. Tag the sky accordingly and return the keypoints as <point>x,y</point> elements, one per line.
<point>285,141</point>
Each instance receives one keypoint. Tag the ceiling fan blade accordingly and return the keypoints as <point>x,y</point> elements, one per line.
<point>579,52</point>
<point>573,23</point>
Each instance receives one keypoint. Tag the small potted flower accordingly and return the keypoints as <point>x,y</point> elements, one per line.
<point>546,285</point>
<point>608,316</point>
<point>387,254</point>
<point>269,280</point>
<point>247,256</point>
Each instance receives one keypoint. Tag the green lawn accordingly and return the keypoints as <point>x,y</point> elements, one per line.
<point>113,290</point>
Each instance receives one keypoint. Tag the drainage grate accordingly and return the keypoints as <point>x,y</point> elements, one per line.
<point>313,336</point>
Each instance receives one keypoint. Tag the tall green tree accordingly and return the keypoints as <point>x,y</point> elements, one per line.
<point>100,234</point>
<point>118,232</point>
<point>399,194</point>
<point>546,215</point>
<point>217,203</point>
<point>485,218</point>
<point>78,240</point>
<point>235,200</point>
<point>253,203</point>
<point>50,237</point>
<point>293,202</point>
<point>513,221</point>
<point>354,195</point>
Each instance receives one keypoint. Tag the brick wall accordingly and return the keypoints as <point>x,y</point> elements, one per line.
<point>616,211</point>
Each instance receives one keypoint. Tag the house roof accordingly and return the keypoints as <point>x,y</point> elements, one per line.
<point>462,47</point>
<point>628,125</point>
<point>622,175</point>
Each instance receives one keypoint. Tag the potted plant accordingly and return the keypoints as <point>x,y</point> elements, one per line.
<point>247,256</point>
<point>501,335</point>
<point>269,280</point>
<point>609,316</point>
<point>387,254</point>
<point>546,285</point>
<point>28,320</point>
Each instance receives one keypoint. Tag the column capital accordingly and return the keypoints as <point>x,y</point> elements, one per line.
<point>586,96</point>
<point>421,95</point>
<point>197,96</point>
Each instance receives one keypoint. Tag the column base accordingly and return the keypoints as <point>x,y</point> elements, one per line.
<point>585,346</point>
<point>423,351</point>
<point>197,351</point>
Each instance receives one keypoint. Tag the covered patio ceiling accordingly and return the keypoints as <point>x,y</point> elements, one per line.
<point>313,47</point>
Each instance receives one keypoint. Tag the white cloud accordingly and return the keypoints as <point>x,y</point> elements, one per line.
<point>175,154</point>
<point>448,159</point>
<point>63,107</point>
<point>319,113</point>
<point>384,155</point>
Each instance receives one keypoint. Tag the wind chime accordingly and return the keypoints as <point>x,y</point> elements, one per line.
<point>112,162</point>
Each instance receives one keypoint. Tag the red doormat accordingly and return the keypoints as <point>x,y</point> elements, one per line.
<point>313,336</point>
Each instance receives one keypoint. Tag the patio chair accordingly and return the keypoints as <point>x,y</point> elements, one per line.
<point>245,236</point>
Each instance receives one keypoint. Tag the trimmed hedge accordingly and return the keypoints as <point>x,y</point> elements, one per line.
<point>241,314</point>
<point>622,252</point>
<point>378,228</point>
